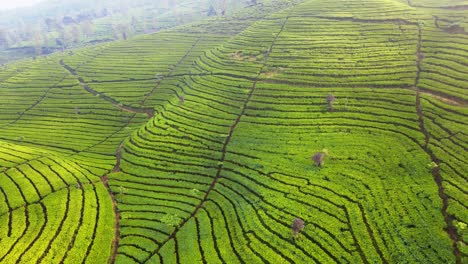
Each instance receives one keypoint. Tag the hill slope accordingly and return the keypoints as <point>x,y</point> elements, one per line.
<point>194,145</point>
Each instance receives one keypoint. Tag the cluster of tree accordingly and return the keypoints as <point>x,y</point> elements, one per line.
<point>11,38</point>
<point>217,7</point>
<point>63,25</point>
<point>54,34</point>
<point>57,23</point>
<point>40,36</point>
<point>59,30</point>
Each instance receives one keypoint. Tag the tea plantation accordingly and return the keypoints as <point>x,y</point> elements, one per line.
<point>194,144</point>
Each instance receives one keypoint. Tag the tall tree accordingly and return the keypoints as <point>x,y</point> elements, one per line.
<point>134,24</point>
<point>211,11</point>
<point>297,226</point>
<point>223,11</point>
<point>64,39</point>
<point>121,31</point>
<point>330,100</point>
<point>318,159</point>
<point>87,28</point>
<point>38,42</point>
<point>75,34</point>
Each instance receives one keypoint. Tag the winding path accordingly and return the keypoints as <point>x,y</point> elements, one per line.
<point>450,228</point>
<point>223,150</point>
<point>127,108</point>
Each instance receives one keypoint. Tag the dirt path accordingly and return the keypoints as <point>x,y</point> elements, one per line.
<point>115,241</point>
<point>223,152</point>
<point>450,229</point>
<point>127,108</point>
<point>150,112</point>
<point>39,101</point>
<point>451,100</point>
<point>118,156</point>
<point>104,179</point>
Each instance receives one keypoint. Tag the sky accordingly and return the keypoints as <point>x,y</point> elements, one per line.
<point>11,4</point>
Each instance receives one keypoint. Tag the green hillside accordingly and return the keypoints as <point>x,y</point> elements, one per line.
<point>194,144</point>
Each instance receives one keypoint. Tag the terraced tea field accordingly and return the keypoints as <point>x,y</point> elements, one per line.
<point>194,145</point>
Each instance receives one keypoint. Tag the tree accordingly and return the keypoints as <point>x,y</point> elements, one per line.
<point>121,30</point>
<point>297,226</point>
<point>134,23</point>
<point>421,56</point>
<point>330,100</point>
<point>28,33</point>
<point>319,158</point>
<point>223,11</point>
<point>75,33</point>
<point>211,11</point>
<point>13,38</point>
<point>45,42</point>
<point>181,99</point>
<point>152,25</point>
<point>85,16</point>
<point>67,20</point>
<point>87,28</point>
<point>64,39</point>
<point>253,2</point>
<point>51,24</point>
<point>38,41</point>
<point>59,43</point>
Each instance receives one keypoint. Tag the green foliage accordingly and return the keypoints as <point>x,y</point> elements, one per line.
<point>171,220</point>
<point>195,192</point>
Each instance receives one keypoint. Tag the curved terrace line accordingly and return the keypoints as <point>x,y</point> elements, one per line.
<point>450,228</point>
<point>127,108</point>
<point>223,151</point>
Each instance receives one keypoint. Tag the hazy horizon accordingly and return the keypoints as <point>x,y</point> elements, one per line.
<point>9,4</point>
